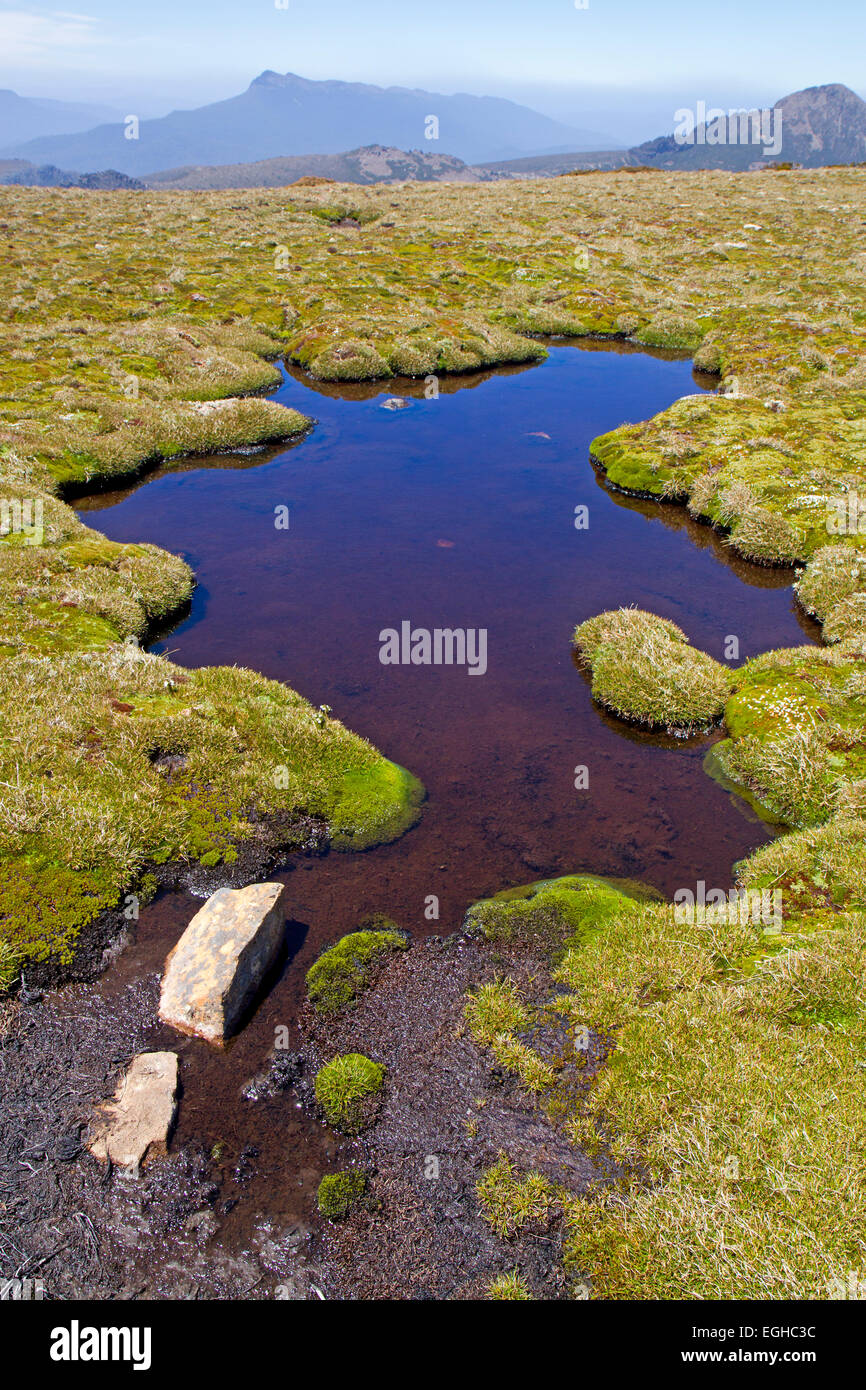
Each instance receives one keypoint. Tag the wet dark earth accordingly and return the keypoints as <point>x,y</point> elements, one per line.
<point>454,512</point>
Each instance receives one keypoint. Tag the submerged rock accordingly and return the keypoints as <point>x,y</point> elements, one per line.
<point>138,1121</point>
<point>220,961</point>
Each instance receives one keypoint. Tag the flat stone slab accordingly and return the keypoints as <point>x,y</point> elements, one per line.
<point>216,968</point>
<point>137,1123</point>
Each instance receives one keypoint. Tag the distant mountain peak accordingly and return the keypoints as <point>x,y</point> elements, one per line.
<point>269,78</point>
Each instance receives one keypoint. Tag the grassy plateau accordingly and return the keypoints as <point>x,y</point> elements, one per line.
<point>138,327</point>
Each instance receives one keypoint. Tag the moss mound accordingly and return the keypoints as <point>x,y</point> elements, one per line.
<point>375,803</point>
<point>339,975</point>
<point>644,669</point>
<point>561,912</point>
<point>797,734</point>
<point>339,1192</point>
<point>346,1089</point>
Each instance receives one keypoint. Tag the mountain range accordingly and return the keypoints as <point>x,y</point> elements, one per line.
<point>289,115</point>
<point>29,118</point>
<point>813,128</point>
<point>817,126</point>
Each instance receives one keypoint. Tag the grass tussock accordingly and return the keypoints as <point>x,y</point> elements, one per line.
<point>510,1287</point>
<point>512,1201</point>
<point>796,725</point>
<point>644,669</point>
<point>495,1013</point>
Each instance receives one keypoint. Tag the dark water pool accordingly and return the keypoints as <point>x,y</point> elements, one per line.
<point>456,512</point>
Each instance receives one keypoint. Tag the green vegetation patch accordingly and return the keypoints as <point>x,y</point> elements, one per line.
<point>339,975</point>
<point>495,1012</point>
<point>772,476</point>
<point>120,759</point>
<point>339,1192</point>
<point>819,870</point>
<point>511,1286</point>
<point>833,589</point>
<point>346,1089</point>
<point>644,669</point>
<point>797,733</point>
<point>732,1165</point>
<point>375,803</point>
<point>512,1201</point>
<point>559,912</point>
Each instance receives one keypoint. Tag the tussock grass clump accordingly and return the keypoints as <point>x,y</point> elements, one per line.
<point>511,1200</point>
<point>644,669</point>
<point>819,870</point>
<point>510,1286</point>
<point>764,477</point>
<point>495,1012</point>
<point>797,726</point>
<point>339,1192</point>
<point>494,1009</point>
<point>833,589</point>
<point>124,447</point>
<point>10,966</point>
<point>346,1089</point>
<point>339,975</point>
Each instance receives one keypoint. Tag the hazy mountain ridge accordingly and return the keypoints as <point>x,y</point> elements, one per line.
<point>817,126</point>
<point>18,173</point>
<point>370,164</point>
<point>281,115</point>
<point>29,118</point>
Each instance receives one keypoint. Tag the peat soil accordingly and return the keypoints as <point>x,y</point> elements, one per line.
<point>449,1111</point>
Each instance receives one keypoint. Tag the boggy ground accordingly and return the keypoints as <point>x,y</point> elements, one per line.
<point>129,316</point>
<point>126,316</point>
<point>619,1101</point>
<point>450,1111</point>
<point>91,1231</point>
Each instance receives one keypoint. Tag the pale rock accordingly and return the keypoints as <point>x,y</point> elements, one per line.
<point>137,1123</point>
<point>216,968</point>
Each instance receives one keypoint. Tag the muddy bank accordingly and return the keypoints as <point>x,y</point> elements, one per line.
<point>214,1220</point>
<point>95,1232</point>
<point>449,1111</point>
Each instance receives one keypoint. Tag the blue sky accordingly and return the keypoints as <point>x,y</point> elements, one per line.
<point>620,61</point>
